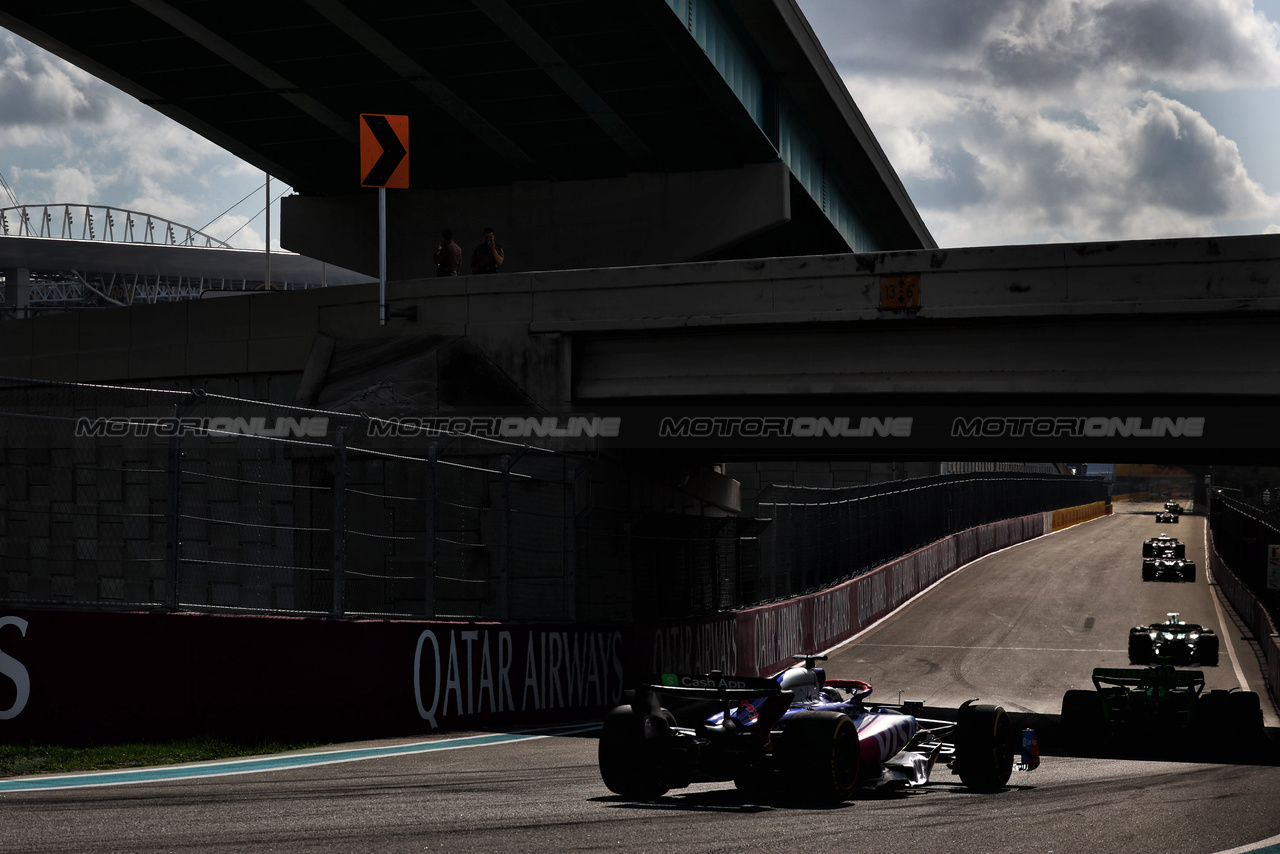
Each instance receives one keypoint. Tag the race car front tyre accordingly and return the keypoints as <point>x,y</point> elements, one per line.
<point>820,753</point>
<point>1083,722</point>
<point>985,745</point>
<point>629,765</point>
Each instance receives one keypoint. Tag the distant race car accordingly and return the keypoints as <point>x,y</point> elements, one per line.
<point>797,734</point>
<point>1166,517</point>
<point>1173,642</point>
<point>1164,546</point>
<point>1164,558</point>
<point>1173,507</point>
<point>1168,569</point>
<point>1160,709</point>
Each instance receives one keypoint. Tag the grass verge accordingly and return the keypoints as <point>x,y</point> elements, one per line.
<point>20,759</point>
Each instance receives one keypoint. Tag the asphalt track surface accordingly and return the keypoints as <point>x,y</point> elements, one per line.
<point>1018,628</point>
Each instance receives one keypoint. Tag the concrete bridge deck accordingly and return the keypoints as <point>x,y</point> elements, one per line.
<point>1188,317</point>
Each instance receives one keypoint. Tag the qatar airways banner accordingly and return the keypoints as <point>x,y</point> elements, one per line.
<point>72,675</point>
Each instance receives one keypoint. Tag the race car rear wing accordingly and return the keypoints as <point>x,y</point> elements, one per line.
<point>1161,677</point>
<point>713,685</point>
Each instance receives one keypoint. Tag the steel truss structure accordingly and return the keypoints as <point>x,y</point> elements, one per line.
<point>100,222</point>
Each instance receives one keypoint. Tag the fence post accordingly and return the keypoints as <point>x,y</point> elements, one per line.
<point>175,515</point>
<point>502,607</point>
<point>340,522</point>
<point>570,534</point>
<point>429,526</point>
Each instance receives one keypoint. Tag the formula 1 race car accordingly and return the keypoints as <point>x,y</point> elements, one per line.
<point>1164,558</point>
<point>1160,710</point>
<point>797,734</point>
<point>1168,569</point>
<point>1173,642</point>
<point>1173,507</point>
<point>1166,517</point>
<point>1164,546</point>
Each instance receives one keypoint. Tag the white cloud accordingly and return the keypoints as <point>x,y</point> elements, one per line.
<point>66,137</point>
<point>1040,120</point>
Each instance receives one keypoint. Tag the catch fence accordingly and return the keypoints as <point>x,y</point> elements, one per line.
<point>181,500</point>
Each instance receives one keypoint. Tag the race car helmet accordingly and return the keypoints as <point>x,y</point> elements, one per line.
<point>803,683</point>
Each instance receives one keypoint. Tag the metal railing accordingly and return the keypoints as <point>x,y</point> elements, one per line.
<point>1242,535</point>
<point>810,538</point>
<point>140,498</point>
<point>130,498</point>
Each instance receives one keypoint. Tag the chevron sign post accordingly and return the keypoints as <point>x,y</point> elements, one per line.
<point>384,162</point>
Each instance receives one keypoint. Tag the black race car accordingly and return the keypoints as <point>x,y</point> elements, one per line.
<point>1173,642</point>
<point>1168,569</point>
<point>1164,546</point>
<point>1173,507</point>
<point>1166,517</point>
<point>1164,558</point>
<point>1160,710</point>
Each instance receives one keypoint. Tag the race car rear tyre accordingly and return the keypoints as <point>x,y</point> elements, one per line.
<point>820,753</point>
<point>1229,724</point>
<point>1246,715</point>
<point>1207,650</point>
<point>1189,572</point>
<point>629,765</point>
<point>1148,571</point>
<point>985,746</point>
<point>1083,722</point>
<point>1139,648</point>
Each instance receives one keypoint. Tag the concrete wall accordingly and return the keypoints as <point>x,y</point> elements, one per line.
<point>643,218</point>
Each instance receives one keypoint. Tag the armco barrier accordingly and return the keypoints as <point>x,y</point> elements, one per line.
<point>1251,610</point>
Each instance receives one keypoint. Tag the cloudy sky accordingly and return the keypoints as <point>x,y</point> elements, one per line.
<point>1009,121</point>
<point>1030,121</point>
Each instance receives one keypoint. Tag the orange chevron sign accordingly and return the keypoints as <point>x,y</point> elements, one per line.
<point>384,151</point>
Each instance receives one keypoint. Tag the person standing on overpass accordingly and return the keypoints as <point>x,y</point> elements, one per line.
<point>488,256</point>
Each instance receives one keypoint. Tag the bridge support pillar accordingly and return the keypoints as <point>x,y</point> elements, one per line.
<point>17,289</point>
